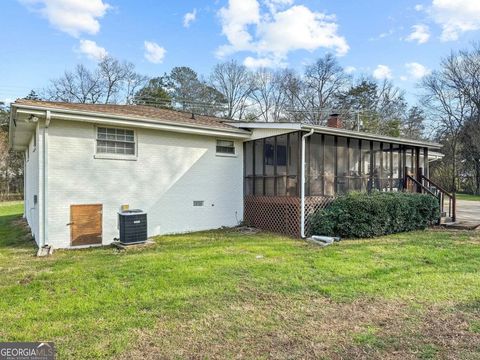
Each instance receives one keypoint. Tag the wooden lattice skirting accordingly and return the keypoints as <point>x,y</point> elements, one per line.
<point>281,214</point>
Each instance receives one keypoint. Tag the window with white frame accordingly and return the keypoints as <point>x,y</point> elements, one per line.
<point>115,141</point>
<point>225,147</point>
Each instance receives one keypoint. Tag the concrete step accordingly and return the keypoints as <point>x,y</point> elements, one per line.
<point>462,225</point>
<point>445,220</point>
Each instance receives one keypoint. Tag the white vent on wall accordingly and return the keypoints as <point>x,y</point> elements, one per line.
<point>198,202</point>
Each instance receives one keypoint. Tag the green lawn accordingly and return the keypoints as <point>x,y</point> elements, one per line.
<point>468,197</point>
<point>224,294</point>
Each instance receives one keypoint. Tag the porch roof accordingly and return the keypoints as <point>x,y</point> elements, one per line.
<point>338,132</point>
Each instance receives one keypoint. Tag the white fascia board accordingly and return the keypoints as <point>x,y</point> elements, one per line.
<point>367,136</point>
<point>259,125</point>
<point>434,156</point>
<point>101,118</point>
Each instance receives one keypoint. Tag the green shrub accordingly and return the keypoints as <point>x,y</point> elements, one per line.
<point>362,215</point>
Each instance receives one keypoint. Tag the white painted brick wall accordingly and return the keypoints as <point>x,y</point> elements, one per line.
<point>172,170</point>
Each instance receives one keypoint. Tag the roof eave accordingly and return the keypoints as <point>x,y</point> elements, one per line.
<point>263,125</point>
<point>134,121</point>
<point>367,136</point>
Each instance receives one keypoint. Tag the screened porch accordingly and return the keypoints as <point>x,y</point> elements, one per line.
<point>334,165</point>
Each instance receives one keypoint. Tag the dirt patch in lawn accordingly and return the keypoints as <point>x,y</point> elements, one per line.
<point>311,328</point>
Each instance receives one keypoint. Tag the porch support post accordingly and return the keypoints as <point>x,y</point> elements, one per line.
<point>405,179</point>
<point>420,179</point>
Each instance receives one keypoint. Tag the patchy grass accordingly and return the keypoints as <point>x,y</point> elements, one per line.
<point>468,197</point>
<point>224,294</point>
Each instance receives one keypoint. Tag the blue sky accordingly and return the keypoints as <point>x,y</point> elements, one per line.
<point>401,40</point>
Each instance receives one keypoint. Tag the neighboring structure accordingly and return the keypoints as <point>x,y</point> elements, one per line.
<point>188,172</point>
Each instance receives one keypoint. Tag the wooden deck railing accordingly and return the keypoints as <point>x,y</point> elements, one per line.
<point>423,184</point>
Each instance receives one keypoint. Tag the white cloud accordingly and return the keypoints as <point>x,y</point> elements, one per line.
<point>255,63</point>
<point>92,50</point>
<point>382,72</point>
<point>420,33</point>
<point>419,7</point>
<point>272,34</point>
<point>350,69</point>
<point>416,70</point>
<point>189,18</point>
<point>235,19</point>
<point>71,16</point>
<point>154,52</point>
<point>455,17</point>
<point>403,78</point>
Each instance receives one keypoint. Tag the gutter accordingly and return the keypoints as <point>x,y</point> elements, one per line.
<point>373,137</point>
<point>302,185</point>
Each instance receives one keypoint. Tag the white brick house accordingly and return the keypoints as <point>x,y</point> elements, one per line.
<point>185,171</point>
<point>161,167</point>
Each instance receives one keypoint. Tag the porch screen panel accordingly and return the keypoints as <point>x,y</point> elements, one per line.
<point>258,167</point>
<point>425,162</point>
<point>386,182</point>
<point>354,182</point>
<point>281,160</point>
<point>269,156</point>
<point>377,167</point>
<point>342,165</point>
<point>292,166</point>
<point>249,168</point>
<point>366,164</point>
<point>396,168</point>
<point>329,166</point>
<point>414,161</point>
<point>421,159</point>
<point>315,168</point>
<point>408,160</point>
<point>271,166</point>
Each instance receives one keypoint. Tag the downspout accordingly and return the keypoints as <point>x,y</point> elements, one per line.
<point>44,237</point>
<point>302,185</point>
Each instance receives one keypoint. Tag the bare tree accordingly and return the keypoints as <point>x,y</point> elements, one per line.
<point>448,108</point>
<point>323,81</point>
<point>269,95</point>
<point>453,98</point>
<point>80,85</point>
<point>133,83</point>
<point>462,73</point>
<point>470,151</point>
<point>11,162</point>
<point>110,82</point>
<point>414,123</point>
<point>234,81</point>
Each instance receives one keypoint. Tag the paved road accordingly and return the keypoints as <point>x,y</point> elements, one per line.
<point>468,211</point>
